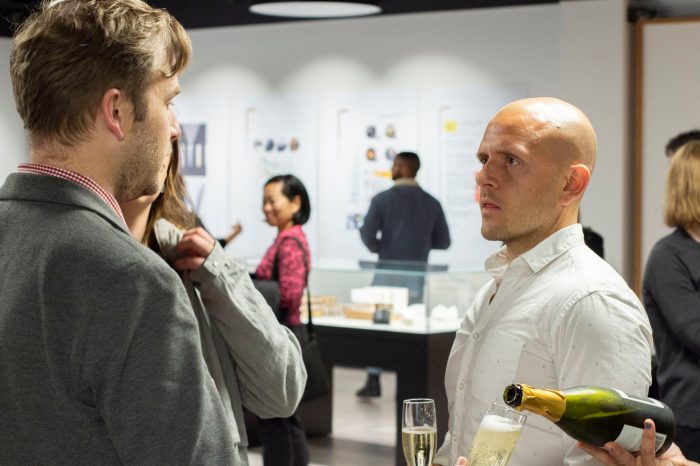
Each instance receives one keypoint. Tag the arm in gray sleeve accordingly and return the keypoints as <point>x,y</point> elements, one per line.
<point>371,226</point>
<point>441,232</point>
<point>667,279</point>
<point>143,368</point>
<point>267,355</point>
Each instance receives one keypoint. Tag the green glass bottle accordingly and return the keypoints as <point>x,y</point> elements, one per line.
<point>597,415</point>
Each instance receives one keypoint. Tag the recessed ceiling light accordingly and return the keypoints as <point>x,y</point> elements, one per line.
<point>314,9</point>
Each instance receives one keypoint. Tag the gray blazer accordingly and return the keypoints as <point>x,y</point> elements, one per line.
<point>100,355</point>
<point>254,360</point>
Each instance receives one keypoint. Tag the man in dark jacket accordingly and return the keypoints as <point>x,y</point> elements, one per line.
<point>402,225</point>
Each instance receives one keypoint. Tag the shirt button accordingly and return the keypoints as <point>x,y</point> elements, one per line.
<point>476,335</point>
<point>461,386</point>
<point>216,264</point>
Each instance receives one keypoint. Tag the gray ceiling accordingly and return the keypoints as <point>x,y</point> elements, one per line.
<point>215,13</point>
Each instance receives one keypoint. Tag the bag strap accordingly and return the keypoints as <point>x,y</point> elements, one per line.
<point>311,332</point>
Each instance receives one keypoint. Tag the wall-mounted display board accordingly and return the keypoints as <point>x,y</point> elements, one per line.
<point>204,157</point>
<point>365,130</point>
<point>342,146</point>
<point>668,102</point>
<point>271,135</point>
<point>458,120</point>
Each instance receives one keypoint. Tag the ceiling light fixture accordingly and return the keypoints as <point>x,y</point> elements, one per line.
<point>314,9</point>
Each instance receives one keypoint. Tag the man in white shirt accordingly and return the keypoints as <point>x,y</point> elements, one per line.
<point>555,315</point>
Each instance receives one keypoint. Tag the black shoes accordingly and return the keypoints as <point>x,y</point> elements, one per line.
<point>372,389</point>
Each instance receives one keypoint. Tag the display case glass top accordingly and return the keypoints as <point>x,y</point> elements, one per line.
<point>398,296</point>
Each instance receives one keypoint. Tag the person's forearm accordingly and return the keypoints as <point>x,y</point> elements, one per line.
<point>274,383</point>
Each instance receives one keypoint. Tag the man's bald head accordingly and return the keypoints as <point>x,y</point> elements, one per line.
<point>556,127</point>
<point>537,156</point>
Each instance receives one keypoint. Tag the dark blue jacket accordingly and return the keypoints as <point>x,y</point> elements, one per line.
<point>405,223</point>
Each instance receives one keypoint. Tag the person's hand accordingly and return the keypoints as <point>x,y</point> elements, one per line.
<point>194,246</point>
<point>235,231</point>
<point>614,455</point>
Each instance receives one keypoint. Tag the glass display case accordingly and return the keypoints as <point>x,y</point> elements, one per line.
<point>397,316</point>
<point>391,295</point>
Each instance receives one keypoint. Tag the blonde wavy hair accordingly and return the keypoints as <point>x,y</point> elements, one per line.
<point>682,204</point>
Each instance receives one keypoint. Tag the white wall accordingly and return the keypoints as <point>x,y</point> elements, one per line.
<point>14,150</point>
<point>594,74</point>
<point>575,49</point>
<point>669,106</point>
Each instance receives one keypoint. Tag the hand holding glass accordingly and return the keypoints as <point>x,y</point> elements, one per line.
<point>419,431</point>
<point>497,435</point>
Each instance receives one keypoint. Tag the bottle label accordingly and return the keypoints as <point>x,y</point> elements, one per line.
<point>630,439</point>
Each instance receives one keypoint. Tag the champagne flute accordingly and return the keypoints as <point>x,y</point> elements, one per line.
<point>419,431</point>
<point>498,433</point>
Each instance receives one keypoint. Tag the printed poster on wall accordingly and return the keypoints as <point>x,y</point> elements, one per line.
<point>461,116</point>
<point>275,134</point>
<point>204,158</point>
<point>367,129</point>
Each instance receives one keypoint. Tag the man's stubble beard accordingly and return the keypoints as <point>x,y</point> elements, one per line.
<point>140,166</point>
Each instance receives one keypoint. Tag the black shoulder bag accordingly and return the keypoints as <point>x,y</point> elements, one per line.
<point>317,381</point>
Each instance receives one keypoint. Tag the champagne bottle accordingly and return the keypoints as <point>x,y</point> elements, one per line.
<point>597,415</point>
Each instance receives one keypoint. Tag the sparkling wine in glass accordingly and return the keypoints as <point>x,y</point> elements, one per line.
<point>496,437</point>
<point>419,431</point>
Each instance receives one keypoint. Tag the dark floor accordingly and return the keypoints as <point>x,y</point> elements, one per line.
<point>363,429</point>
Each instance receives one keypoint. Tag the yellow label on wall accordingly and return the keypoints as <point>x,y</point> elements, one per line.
<point>450,126</point>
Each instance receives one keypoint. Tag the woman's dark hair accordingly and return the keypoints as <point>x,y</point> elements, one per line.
<point>292,187</point>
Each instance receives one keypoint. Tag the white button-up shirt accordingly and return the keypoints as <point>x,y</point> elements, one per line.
<point>558,316</point>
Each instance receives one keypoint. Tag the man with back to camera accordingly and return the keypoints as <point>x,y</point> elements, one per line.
<point>100,360</point>
<point>402,225</point>
<point>555,315</point>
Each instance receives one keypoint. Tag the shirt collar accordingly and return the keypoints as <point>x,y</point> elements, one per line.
<point>541,255</point>
<point>76,178</point>
<point>405,182</point>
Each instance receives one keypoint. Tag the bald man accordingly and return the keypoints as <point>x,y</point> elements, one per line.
<point>555,315</point>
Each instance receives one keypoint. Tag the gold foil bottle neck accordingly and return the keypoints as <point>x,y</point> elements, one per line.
<point>545,402</point>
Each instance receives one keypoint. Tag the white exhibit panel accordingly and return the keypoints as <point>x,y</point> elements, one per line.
<point>671,105</point>
<point>459,118</point>
<point>279,136</point>
<point>367,129</point>
<point>204,158</point>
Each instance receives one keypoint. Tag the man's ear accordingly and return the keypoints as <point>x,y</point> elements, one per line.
<point>576,183</point>
<point>113,112</point>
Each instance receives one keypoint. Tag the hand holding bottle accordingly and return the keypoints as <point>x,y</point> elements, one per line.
<point>614,455</point>
<point>597,415</point>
